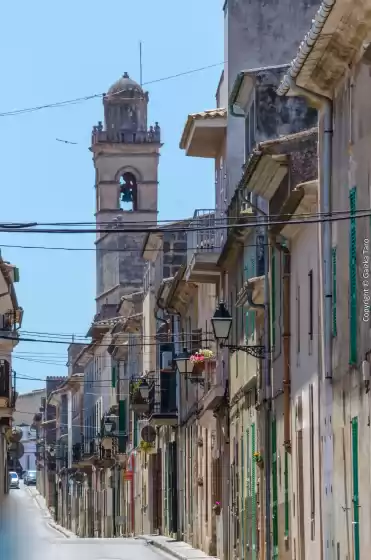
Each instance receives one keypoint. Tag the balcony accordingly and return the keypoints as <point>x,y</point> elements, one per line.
<point>204,132</point>
<point>162,399</point>
<point>139,395</point>
<point>203,249</point>
<point>214,386</point>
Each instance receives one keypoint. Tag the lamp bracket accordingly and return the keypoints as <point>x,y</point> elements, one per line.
<point>254,351</point>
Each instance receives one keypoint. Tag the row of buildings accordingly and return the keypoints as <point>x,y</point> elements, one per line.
<point>11,315</point>
<point>225,392</point>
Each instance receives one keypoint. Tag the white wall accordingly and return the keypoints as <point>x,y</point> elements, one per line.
<point>305,373</point>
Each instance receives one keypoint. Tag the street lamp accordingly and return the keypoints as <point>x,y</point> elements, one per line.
<point>108,426</point>
<point>222,324</point>
<point>182,361</point>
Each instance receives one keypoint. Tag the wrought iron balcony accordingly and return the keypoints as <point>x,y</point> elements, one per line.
<point>162,400</point>
<point>77,452</point>
<point>203,246</point>
<point>139,392</point>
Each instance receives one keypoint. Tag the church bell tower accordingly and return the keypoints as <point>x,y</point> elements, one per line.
<point>126,155</point>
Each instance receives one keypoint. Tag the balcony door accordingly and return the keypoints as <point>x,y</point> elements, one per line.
<point>4,378</point>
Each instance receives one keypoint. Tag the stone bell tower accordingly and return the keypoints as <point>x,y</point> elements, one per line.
<point>126,155</point>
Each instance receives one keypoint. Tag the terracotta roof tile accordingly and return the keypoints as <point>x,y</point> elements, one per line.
<point>218,113</point>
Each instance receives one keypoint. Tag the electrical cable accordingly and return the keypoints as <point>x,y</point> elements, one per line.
<point>187,221</point>
<point>281,222</point>
<point>85,98</point>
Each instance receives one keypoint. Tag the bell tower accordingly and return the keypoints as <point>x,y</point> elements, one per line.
<point>126,155</point>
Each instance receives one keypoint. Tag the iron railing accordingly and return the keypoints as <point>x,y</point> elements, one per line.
<point>162,395</point>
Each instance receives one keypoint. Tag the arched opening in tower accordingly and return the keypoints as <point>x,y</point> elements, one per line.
<point>128,192</point>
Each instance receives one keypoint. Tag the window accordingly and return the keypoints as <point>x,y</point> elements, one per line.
<point>298,320</point>
<point>128,192</point>
<point>310,301</point>
<point>334,283</point>
<point>311,461</point>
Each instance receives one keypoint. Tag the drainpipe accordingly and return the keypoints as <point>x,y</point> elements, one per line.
<point>325,104</point>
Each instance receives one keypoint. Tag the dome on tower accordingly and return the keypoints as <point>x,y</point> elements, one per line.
<point>126,84</point>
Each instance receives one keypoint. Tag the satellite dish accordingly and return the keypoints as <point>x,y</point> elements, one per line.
<point>16,450</point>
<point>148,434</point>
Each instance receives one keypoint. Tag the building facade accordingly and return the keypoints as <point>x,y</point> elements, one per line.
<point>10,321</point>
<point>337,85</point>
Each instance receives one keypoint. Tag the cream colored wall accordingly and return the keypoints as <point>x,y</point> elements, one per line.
<point>305,372</point>
<point>351,147</point>
<point>149,331</point>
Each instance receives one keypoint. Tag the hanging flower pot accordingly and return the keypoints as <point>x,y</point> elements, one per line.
<point>198,369</point>
<point>147,447</point>
<point>217,508</point>
<point>259,459</point>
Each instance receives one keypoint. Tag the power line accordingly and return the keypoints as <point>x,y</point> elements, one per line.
<point>85,98</point>
<point>282,222</point>
<point>97,250</point>
<point>221,221</point>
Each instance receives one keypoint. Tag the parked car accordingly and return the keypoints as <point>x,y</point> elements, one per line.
<point>29,478</point>
<point>13,480</point>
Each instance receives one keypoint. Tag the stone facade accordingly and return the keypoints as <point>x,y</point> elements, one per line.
<point>126,157</point>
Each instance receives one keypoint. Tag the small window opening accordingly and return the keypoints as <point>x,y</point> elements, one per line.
<point>128,192</point>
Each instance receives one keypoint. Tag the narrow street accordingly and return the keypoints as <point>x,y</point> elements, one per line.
<point>25,533</point>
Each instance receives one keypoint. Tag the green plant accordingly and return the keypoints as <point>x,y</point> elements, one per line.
<point>146,446</point>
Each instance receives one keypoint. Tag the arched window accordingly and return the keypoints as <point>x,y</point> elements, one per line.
<point>128,192</point>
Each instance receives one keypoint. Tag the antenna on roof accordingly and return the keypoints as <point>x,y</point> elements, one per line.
<point>140,64</point>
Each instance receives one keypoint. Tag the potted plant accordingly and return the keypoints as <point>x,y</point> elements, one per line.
<point>200,481</point>
<point>199,358</point>
<point>259,459</point>
<point>139,396</point>
<point>146,447</point>
<point>217,508</point>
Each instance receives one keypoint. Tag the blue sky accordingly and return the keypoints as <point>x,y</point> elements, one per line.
<point>57,51</point>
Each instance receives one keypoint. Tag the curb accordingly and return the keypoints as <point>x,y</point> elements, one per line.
<point>163,548</point>
<point>59,529</point>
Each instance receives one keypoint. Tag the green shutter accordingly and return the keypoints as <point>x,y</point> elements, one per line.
<point>253,496</point>
<point>286,474</point>
<point>355,488</point>
<point>274,490</point>
<point>250,325</point>
<point>248,494</point>
<point>122,426</point>
<point>253,267</point>
<point>242,507</point>
<point>273,298</point>
<point>113,376</point>
<point>15,274</point>
<point>247,326</point>
<point>135,430</point>
<point>334,283</point>
<point>353,278</point>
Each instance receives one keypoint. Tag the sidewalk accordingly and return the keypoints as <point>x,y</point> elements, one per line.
<point>178,549</point>
<point>40,502</point>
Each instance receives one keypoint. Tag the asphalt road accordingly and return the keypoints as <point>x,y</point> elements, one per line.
<point>25,535</point>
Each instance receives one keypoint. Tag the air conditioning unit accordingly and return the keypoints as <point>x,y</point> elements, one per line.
<point>167,360</point>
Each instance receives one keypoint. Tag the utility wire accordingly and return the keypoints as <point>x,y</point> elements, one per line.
<point>282,222</point>
<point>85,98</point>
<point>220,221</point>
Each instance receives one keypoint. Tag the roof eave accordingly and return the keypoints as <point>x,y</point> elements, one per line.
<point>306,46</point>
